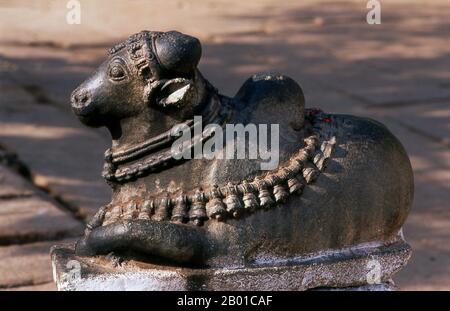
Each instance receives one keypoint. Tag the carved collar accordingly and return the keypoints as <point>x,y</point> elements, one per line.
<point>154,154</point>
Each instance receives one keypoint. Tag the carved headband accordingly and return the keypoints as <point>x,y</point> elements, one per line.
<point>162,53</point>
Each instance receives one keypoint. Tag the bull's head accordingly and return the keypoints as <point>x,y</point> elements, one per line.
<point>152,73</point>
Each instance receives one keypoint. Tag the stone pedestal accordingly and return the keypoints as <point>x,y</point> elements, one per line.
<point>366,267</point>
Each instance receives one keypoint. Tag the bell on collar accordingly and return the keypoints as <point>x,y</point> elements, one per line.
<point>249,198</point>
<point>197,213</point>
<point>180,211</point>
<point>234,205</point>
<point>147,209</point>
<point>162,210</point>
<point>310,173</point>
<point>215,207</point>
<point>295,185</point>
<point>280,193</point>
<point>265,197</point>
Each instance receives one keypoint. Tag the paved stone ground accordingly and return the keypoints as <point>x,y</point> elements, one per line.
<point>397,72</point>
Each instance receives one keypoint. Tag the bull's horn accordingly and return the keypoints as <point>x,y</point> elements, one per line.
<point>178,53</point>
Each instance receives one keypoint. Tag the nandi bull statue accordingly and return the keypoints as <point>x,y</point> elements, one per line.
<point>328,215</point>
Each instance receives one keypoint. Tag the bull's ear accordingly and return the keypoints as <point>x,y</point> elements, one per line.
<point>176,93</point>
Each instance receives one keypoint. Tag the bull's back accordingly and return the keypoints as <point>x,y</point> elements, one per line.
<point>363,195</point>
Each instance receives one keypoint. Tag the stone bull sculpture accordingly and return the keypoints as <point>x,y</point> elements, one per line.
<point>342,181</point>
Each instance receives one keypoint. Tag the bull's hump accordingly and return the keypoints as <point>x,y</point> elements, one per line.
<point>270,98</point>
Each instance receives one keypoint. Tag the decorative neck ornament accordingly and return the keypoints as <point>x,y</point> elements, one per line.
<point>231,200</point>
<point>155,154</point>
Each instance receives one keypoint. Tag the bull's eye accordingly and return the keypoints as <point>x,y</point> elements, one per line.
<point>117,72</point>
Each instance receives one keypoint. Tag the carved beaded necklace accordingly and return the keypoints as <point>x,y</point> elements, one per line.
<point>226,201</point>
<point>153,154</point>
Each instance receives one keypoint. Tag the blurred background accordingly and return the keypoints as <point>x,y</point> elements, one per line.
<point>397,72</point>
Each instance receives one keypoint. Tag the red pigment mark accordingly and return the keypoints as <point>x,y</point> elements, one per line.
<point>328,120</point>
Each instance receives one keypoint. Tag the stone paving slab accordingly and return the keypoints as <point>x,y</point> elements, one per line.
<point>26,265</point>
<point>34,219</point>
<point>51,73</point>
<point>386,88</point>
<point>430,120</point>
<point>12,185</point>
<point>27,216</point>
<point>62,155</point>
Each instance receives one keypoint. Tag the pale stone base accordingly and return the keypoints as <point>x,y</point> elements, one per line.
<point>357,268</point>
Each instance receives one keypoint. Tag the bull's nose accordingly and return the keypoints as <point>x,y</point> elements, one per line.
<point>80,98</point>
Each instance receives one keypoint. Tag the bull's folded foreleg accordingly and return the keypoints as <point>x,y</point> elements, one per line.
<point>178,243</point>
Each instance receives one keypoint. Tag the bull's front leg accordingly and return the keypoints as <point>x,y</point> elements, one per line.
<point>173,242</point>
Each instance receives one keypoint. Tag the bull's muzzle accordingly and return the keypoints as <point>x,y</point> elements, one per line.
<point>80,100</point>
